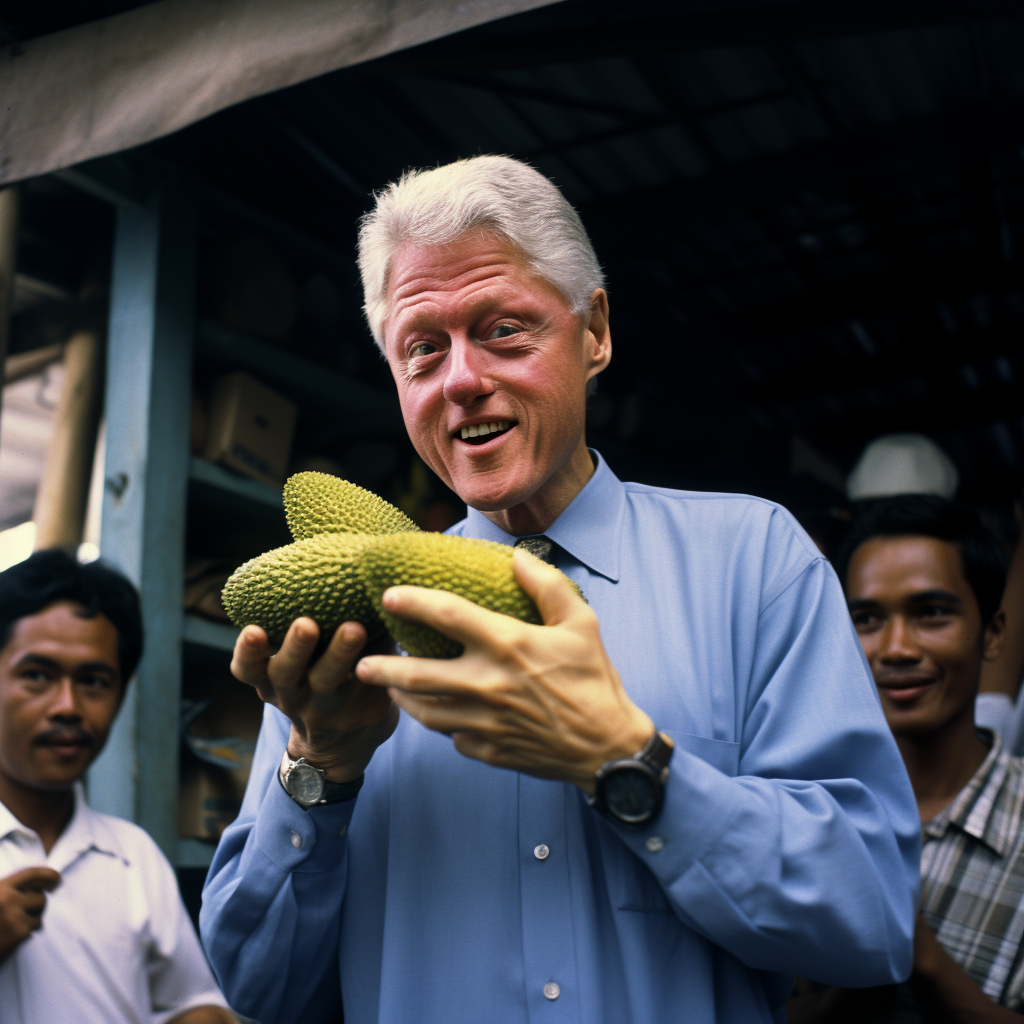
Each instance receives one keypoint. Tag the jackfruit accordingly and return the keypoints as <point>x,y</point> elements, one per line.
<point>316,576</point>
<point>350,546</point>
<point>478,570</point>
<point>316,503</point>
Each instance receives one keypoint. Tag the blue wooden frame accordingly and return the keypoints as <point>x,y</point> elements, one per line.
<point>148,397</point>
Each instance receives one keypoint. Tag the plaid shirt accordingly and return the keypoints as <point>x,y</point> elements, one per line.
<point>972,877</point>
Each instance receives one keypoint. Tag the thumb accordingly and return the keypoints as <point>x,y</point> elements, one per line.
<point>34,880</point>
<point>554,594</point>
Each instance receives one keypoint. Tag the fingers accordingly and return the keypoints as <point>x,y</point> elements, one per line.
<point>427,676</point>
<point>335,665</point>
<point>249,661</point>
<point>549,589</point>
<point>449,614</point>
<point>441,714</point>
<point>287,669</point>
<point>33,903</point>
<point>34,880</point>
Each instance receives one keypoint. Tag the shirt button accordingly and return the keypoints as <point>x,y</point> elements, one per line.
<point>655,843</point>
<point>551,990</point>
<point>296,840</point>
<point>541,853</point>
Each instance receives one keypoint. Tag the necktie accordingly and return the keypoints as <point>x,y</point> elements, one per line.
<point>540,546</point>
<point>544,548</point>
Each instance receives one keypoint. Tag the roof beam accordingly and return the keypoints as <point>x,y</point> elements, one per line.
<point>578,31</point>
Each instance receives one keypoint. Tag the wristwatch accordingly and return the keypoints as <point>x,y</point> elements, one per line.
<point>308,786</point>
<point>632,790</point>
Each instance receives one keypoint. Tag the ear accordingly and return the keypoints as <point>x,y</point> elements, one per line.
<point>597,337</point>
<point>995,635</point>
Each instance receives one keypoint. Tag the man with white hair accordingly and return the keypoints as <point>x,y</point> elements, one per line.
<point>658,805</point>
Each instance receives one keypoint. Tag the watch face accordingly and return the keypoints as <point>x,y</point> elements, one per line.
<point>305,784</point>
<point>631,794</point>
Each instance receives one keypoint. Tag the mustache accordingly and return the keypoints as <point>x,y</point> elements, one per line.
<point>62,735</point>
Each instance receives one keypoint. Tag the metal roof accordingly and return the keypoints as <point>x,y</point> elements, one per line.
<point>811,216</point>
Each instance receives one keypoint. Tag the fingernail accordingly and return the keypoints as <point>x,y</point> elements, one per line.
<point>350,632</point>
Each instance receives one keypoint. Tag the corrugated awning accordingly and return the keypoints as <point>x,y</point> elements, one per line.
<point>121,81</point>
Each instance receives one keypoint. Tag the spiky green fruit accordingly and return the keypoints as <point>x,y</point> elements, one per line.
<point>316,576</point>
<point>316,503</point>
<point>478,570</point>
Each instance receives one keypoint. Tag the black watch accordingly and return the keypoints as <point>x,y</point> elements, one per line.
<point>632,790</point>
<point>308,786</point>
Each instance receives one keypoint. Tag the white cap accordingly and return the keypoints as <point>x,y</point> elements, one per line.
<point>902,464</point>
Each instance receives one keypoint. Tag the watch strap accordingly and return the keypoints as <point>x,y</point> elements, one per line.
<point>657,752</point>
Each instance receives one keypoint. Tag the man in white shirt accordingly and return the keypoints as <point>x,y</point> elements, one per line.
<point>92,927</point>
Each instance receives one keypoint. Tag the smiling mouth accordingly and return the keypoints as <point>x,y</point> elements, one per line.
<point>481,433</point>
<point>65,744</point>
<point>908,691</point>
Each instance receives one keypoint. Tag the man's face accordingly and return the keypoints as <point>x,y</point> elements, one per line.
<point>921,629</point>
<point>60,688</point>
<point>476,340</point>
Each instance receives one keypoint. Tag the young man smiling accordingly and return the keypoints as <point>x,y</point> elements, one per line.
<point>91,924</point>
<point>924,579</point>
<point>641,810</point>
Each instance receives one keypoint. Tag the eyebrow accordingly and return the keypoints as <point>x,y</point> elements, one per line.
<point>922,597</point>
<point>44,662</point>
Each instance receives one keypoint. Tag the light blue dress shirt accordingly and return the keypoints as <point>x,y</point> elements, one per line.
<point>450,891</point>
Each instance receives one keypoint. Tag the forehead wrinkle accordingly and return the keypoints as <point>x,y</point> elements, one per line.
<point>457,301</point>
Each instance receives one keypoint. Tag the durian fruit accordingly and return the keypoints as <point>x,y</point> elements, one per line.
<point>316,576</point>
<point>316,503</point>
<point>478,570</point>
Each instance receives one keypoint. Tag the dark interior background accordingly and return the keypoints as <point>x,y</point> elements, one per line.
<point>811,215</point>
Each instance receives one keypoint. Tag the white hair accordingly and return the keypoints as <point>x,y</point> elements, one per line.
<point>492,193</point>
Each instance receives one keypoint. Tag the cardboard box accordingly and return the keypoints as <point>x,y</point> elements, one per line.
<point>209,800</point>
<point>250,428</point>
<point>215,765</point>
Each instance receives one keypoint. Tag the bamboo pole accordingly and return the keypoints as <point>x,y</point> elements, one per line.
<point>59,512</point>
<point>8,256</point>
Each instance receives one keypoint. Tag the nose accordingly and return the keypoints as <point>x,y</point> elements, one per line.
<point>65,705</point>
<point>466,380</point>
<point>897,643</point>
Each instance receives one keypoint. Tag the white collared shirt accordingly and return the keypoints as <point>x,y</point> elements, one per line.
<point>116,943</point>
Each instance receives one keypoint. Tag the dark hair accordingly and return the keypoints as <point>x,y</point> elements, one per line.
<point>927,515</point>
<point>50,576</point>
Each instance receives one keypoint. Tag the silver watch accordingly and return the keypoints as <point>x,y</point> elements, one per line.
<point>308,786</point>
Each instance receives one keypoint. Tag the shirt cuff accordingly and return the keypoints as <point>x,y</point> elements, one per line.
<point>298,840</point>
<point>683,832</point>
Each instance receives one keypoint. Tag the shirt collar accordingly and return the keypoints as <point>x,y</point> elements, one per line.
<point>87,830</point>
<point>972,809</point>
<point>9,823</point>
<point>589,529</point>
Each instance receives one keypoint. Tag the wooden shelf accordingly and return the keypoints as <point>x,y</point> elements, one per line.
<point>357,408</point>
<point>214,476</point>
<point>220,636</point>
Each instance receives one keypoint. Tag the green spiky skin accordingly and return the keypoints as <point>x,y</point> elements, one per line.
<point>478,570</point>
<point>316,503</point>
<point>316,576</point>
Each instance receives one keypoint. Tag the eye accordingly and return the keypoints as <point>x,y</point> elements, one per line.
<point>935,611</point>
<point>96,682</point>
<point>504,331</point>
<point>864,620</point>
<point>423,348</point>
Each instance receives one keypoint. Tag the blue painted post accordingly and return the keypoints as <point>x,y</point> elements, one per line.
<point>148,393</point>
